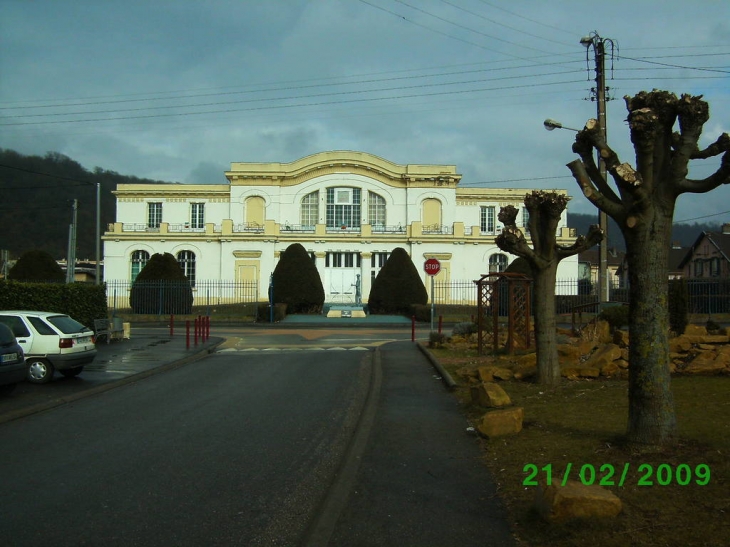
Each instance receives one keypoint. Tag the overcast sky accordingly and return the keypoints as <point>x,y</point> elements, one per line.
<point>177,90</point>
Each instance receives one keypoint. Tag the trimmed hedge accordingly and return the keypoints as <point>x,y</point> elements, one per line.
<point>81,301</point>
<point>37,266</point>
<point>161,288</point>
<point>398,287</point>
<point>297,283</point>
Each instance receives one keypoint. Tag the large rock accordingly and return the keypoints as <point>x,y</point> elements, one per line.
<point>498,423</point>
<point>575,500</point>
<point>490,394</point>
<point>603,355</point>
<point>695,330</point>
<point>705,363</point>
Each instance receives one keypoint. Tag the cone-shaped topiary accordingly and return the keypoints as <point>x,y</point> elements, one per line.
<point>36,266</point>
<point>297,283</point>
<point>161,288</point>
<point>397,287</point>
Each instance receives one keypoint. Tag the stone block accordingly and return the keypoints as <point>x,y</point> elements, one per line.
<point>610,369</point>
<point>576,501</point>
<point>621,338</point>
<point>485,374</point>
<point>589,372</point>
<point>695,330</point>
<point>523,372</point>
<point>680,344</point>
<point>490,394</point>
<point>603,355</point>
<point>705,363</point>
<point>622,363</point>
<point>498,423</point>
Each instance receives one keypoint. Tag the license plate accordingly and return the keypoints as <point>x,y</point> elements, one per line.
<point>9,357</point>
<point>84,340</point>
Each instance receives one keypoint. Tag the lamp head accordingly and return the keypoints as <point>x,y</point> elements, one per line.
<point>550,125</point>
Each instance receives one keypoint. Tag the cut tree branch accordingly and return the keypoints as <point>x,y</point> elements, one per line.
<point>580,175</point>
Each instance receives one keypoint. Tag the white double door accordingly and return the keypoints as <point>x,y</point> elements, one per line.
<point>340,285</point>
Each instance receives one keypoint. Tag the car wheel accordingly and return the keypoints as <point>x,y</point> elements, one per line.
<point>71,372</point>
<point>7,389</point>
<point>40,371</point>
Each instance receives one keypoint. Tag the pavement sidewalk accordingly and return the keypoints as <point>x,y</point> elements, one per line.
<point>420,478</point>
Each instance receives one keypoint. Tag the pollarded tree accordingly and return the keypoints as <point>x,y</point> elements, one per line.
<point>397,286</point>
<point>297,283</point>
<point>643,209</point>
<point>545,209</point>
<point>36,265</point>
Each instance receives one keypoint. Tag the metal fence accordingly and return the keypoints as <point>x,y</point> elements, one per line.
<point>163,295</point>
<point>711,296</point>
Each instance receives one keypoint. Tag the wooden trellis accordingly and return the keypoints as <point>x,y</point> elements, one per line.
<point>505,294</point>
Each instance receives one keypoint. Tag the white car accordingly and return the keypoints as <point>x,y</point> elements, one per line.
<point>51,341</point>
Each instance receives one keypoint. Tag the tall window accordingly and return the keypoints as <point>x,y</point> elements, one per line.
<point>343,207</point>
<point>154,215</point>
<point>197,215</point>
<point>186,260</point>
<point>525,217</point>
<point>486,222</point>
<point>376,209</point>
<point>309,214</point>
<point>139,261</point>
<point>497,263</point>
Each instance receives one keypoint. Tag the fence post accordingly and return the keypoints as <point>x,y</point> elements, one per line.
<point>172,325</point>
<point>197,326</point>
<point>441,320</point>
<point>187,334</point>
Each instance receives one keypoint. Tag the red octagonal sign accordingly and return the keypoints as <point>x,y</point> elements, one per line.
<point>432,266</point>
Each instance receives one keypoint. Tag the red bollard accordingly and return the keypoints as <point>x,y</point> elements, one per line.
<point>187,334</point>
<point>197,327</point>
<point>172,325</point>
<point>413,328</point>
<point>441,321</point>
<point>207,327</point>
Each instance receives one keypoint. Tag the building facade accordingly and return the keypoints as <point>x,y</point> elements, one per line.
<point>348,209</point>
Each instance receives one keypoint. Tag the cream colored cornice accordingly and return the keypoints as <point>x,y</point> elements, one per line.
<point>347,162</point>
<point>131,191</point>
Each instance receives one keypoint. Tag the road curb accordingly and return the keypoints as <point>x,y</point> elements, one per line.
<point>445,376</point>
<point>48,405</point>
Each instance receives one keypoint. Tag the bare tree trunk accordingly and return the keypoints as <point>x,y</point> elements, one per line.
<point>652,420</point>
<point>545,325</point>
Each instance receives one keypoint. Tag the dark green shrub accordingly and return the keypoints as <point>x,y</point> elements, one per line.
<point>436,339</point>
<point>263,312</point>
<point>520,265</point>
<point>36,266</point>
<point>678,303</point>
<point>297,283</point>
<point>422,312</point>
<point>712,326</point>
<point>615,316</point>
<point>397,287</point>
<point>161,288</point>
<point>464,329</point>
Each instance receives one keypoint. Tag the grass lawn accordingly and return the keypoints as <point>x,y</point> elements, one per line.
<point>582,423</point>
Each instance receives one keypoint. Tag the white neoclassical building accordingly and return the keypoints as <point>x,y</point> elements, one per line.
<point>348,209</point>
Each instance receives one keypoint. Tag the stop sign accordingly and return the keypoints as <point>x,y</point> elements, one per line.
<point>432,266</point>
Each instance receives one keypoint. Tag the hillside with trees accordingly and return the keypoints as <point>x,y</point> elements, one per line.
<point>37,197</point>
<point>684,234</point>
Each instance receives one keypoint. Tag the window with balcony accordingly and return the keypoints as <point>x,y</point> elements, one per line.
<point>197,215</point>
<point>309,212</point>
<point>486,221</point>
<point>139,261</point>
<point>186,261</point>
<point>154,215</point>
<point>343,208</point>
<point>376,210</point>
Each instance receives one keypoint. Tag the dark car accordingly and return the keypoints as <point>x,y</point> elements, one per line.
<point>13,368</point>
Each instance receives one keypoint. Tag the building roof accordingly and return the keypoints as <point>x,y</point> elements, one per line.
<point>721,240</point>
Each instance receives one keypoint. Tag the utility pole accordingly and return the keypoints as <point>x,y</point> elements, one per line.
<point>71,254</point>
<point>599,95</point>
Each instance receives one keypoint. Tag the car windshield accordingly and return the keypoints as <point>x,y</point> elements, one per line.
<point>67,325</point>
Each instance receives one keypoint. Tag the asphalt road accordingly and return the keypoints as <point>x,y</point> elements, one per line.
<point>234,449</point>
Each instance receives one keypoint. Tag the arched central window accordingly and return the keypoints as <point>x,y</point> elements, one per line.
<point>343,207</point>
<point>255,208</point>
<point>139,261</point>
<point>186,260</point>
<point>309,214</point>
<point>376,210</point>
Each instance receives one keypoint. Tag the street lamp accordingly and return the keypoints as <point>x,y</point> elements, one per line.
<point>551,125</point>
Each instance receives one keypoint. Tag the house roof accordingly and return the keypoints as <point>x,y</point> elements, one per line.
<point>613,257</point>
<point>720,240</point>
